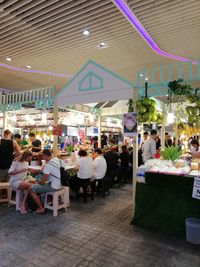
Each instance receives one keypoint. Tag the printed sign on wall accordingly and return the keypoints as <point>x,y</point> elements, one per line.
<point>130,124</point>
<point>196,188</point>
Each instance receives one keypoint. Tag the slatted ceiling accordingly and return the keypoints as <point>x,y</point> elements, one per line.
<point>42,36</point>
<point>12,79</point>
<point>174,25</point>
<point>48,36</point>
<point>71,33</point>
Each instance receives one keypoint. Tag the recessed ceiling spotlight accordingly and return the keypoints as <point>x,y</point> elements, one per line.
<point>141,74</point>
<point>102,45</point>
<point>28,66</point>
<point>86,33</point>
<point>146,79</point>
<point>9,59</point>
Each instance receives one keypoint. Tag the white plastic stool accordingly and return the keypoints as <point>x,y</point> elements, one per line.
<point>55,205</point>
<point>17,199</point>
<point>5,186</point>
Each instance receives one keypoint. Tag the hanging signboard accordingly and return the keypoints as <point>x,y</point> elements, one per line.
<point>57,130</point>
<point>130,124</point>
<point>196,188</point>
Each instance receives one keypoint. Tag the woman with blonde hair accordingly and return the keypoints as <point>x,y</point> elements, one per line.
<point>18,172</point>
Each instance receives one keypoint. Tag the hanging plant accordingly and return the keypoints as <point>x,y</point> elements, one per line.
<point>179,89</point>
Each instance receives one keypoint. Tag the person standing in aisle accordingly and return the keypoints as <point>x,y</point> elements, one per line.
<point>149,147</point>
<point>145,137</point>
<point>36,143</point>
<point>21,142</point>
<point>140,151</point>
<point>8,150</point>
<point>124,158</point>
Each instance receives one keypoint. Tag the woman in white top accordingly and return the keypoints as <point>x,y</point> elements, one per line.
<point>18,172</point>
<point>85,172</point>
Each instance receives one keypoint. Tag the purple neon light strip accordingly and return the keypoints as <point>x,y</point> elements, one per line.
<point>124,8</point>
<point>34,71</point>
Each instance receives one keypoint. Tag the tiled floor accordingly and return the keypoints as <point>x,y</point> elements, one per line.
<point>94,234</point>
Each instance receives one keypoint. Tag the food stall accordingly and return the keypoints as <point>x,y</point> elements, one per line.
<point>164,196</point>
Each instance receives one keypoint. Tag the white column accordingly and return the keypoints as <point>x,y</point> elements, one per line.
<point>55,116</point>
<point>99,131</point>
<point>85,121</point>
<point>4,119</point>
<point>4,102</point>
<point>135,165</point>
<point>176,132</point>
<point>162,137</point>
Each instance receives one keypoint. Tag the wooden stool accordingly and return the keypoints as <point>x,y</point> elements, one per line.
<point>60,199</point>
<point>17,198</point>
<point>5,186</point>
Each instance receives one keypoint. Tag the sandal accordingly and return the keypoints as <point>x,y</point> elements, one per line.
<point>22,210</point>
<point>39,211</point>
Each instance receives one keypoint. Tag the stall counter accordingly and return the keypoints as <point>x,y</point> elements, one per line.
<point>163,203</point>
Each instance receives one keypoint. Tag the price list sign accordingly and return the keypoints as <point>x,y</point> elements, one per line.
<point>196,188</point>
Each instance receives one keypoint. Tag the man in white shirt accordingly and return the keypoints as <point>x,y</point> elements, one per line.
<point>50,180</point>
<point>149,147</point>
<point>100,165</point>
<point>100,168</point>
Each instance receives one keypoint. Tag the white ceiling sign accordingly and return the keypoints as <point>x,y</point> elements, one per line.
<point>94,83</point>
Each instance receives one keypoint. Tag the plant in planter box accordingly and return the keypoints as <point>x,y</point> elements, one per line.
<point>170,153</point>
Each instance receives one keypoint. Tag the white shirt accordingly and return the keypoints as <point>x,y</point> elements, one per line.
<point>17,166</point>
<point>52,168</point>
<point>149,149</point>
<point>86,168</point>
<point>100,167</point>
<point>194,150</point>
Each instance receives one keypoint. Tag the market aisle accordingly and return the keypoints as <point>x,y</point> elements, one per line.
<point>94,234</point>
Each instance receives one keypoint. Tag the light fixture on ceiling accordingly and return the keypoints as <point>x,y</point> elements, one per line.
<point>102,45</point>
<point>28,66</point>
<point>146,79</point>
<point>129,14</point>
<point>86,33</point>
<point>9,59</point>
<point>141,74</point>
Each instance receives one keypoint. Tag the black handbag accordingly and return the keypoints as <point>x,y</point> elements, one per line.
<point>64,176</point>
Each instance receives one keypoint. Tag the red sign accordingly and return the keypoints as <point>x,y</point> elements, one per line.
<point>57,130</point>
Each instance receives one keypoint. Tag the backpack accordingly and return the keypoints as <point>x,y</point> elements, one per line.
<point>64,176</point>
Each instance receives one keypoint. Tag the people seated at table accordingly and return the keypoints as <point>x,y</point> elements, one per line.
<point>18,172</point>
<point>100,167</point>
<point>85,172</point>
<point>50,180</point>
<point>124,168</point>
<point>112,160</point>
<point>8,150</point>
